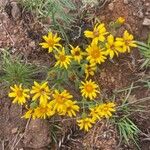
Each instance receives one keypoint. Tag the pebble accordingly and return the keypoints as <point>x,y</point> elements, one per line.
<point>147,4</point>
<point>146,22</point>
<point>141,15</point>
<point>126,1</point>
<point>147,13</point>
<point>14,130</point>
<point>111,6</point>
<point>32,44</point>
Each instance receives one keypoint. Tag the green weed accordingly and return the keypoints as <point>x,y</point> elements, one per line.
<point>13,71</point>
<point>145,51</point>
<point>56,10</point>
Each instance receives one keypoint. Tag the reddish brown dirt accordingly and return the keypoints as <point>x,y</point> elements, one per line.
<point>22,36</point>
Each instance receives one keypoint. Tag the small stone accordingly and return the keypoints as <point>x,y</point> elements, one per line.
<point>112,79</point>
<point>146,22</point>
<point>147,4</point>
<point>126,1</point>
<point>111,6</point>
<point>32,44</point>
<point>141,15</point>
<point>147,13</point>
<point>14,130</point>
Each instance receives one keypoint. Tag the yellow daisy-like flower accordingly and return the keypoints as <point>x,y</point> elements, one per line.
<point>77,53</point>
<point>85,123</point>
<point>127,42</point>
<point>63,60</point>
<point>94,113</point>
<point>70,108</point>
<point>20,95</point>
<point>51,42</point>
<point>90,69</point>
<point>44,111</point>
<point>60,100</point>
<point>95,53</point>
<point>113,47</point>
<point>98,33</point>
<point>29,114</point>
<point>105,110</point>
<point>120,20</point>
<point>41,92</point>
<point>89,89</point>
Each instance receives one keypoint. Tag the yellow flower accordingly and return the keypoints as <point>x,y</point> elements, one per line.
<point>77,53</point>
<point>90,69</point>
<point>85,123</point>
<point>95,53</point>
<point>44,111</point>
<point>127,41</point>
<point>20,95</point>
<point>113,47</point>
<point>94,113</point>
<point>89,89</point>
<point>105,110</point>
<point>98,33</point>
<point>29,114</point>
<point>120,20</point>
<point>41,92</point>
<point>70,108</point>
<point>60,100</point>
<point>51,42</point>
<point>63,60</point>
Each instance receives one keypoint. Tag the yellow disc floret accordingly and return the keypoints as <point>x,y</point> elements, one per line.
<point>127,41</point>
<point>95,53</point>
<point>51,42</point>
<point>44,111</point>
<point>41,92</point>
<point>63,60</point>
<point>98,33</point>
<point>89,89</point>
<point>85,123</point>
<point>77,53</point>
<point>60,99</point>
<point>19,93</point>
<point>113,47</point>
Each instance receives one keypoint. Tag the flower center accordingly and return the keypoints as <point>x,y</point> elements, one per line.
<point>127,42</point>
<point>86,122</point>
<point>77,53</point>
<point>69,108</point>
<point>95,53</point>
<point>19,93</point>
<point>106,109</point>
<point>96,33</point>
<point>89,69</point>
<point>89,88</point>
<point>43,110</point>
<point>51,42</point>
<point>62,58</point>
<point>60,99</point>
<point>112,47</point>
<point>42,91</point>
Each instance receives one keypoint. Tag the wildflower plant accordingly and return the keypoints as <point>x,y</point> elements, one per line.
<point>74,66</point>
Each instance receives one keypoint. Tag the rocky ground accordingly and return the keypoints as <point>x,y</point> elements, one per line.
<point>21,33</point>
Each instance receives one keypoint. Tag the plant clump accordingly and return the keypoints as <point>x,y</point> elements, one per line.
<point>74,66</point>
